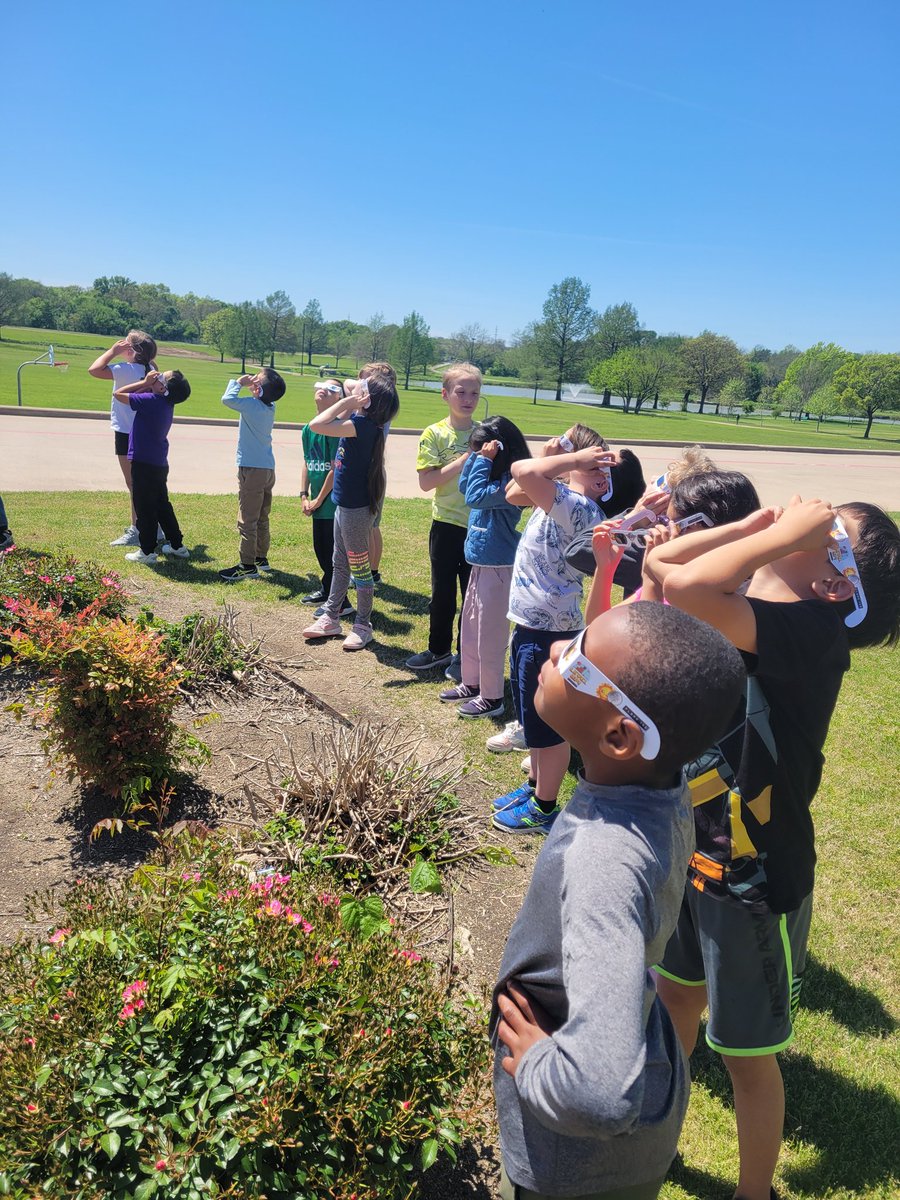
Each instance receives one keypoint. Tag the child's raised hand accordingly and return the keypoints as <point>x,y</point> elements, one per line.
<point>594,458</point>
<point>490,450</point>
<point>523,1024</point>
<point>245,380</point>
<point>762,518</point>
<point>607,553</point>
<point>806,524</point>
<point>654,498</point>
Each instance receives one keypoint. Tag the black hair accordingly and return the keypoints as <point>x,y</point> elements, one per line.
<point>177,387</point>
<point>273,386</point>
<point>876,549</point>
<point>627,477</point>
<point>500,429</point>
<point>685,675</point>
<point>384,404</point>
<point>724,496</point>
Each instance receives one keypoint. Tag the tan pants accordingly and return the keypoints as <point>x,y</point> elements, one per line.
<point>484,632</point>
<point>255,486</point>
<point>642,1191</point>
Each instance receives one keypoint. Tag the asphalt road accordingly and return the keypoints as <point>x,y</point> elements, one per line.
<point>41,453</point>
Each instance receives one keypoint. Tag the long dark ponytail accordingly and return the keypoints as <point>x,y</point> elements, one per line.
<point>384,404</point>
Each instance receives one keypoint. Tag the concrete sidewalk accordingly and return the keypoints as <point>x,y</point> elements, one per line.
<point>41,453</point>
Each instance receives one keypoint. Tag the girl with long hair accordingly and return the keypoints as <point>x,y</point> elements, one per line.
<point>358,419</point>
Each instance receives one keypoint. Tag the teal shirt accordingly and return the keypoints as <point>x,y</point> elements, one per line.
<point>319,452</point>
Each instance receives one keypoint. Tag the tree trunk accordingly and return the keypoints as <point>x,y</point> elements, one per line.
<point>534,397</point>
<point>655,401</point>
<point>604,403</point>
<point>717,409</point>
<point>221,356</point>
<point>703,392</point>
<point>871,415</point>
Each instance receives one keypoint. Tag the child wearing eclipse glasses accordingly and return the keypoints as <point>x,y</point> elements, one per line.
<point>821,582</point>
<point>590,1083</point>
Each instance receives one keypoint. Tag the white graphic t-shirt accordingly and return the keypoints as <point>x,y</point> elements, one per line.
<point>546,591</point>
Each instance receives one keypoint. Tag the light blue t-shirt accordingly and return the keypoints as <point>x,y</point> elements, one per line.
<point>254,448</point>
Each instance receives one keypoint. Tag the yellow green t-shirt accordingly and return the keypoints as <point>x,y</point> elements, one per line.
<point>439,444</point>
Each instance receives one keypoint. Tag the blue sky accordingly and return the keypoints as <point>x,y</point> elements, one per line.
<point>722,166</point>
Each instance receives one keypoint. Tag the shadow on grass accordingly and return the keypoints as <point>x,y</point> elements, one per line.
<point>826,990</point>
<point>852,1127</point>
<point>192,802</point>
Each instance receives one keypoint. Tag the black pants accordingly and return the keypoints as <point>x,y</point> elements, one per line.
<point>323,546</point>
<point>153,507</point>
<point>448,567</point>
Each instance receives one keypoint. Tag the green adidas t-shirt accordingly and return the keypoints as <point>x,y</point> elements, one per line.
<point>440,444</point>
<point>319,452</point>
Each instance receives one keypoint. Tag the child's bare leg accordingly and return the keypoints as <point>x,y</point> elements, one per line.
<point>759,1109</point>
<point>685,1005</point>
<point>549,765</point>
<point>125,465</point>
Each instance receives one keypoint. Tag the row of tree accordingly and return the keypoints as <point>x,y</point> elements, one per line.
<point>570,342</point>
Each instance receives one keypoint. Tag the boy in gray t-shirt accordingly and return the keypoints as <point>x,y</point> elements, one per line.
<point>590,1082</point>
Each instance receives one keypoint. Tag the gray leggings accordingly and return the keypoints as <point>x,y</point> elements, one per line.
<point>641,1191</point>
<point>351,557</point>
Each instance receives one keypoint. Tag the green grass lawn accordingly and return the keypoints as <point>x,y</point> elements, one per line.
<point>45,387</point>
<point>843,1074</point>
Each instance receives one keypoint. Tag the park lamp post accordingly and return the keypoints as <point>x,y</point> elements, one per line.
<point>43,360</point>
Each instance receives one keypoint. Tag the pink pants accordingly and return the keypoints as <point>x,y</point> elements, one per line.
<point>484,633</point>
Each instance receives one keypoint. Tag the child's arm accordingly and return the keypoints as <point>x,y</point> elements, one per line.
<point>536,476</point>
<point>607,556</point>
<point>432,477</point>
<point>705,585</point>
<point>334,421</point>
<point>476,485</point>
<point>99,368</point>
<point>586,1079</point>
<point>231,399</point>
<point>324,492</point>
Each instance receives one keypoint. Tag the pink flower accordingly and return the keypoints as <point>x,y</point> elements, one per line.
<point>273,908</point>
<point>68,578</point>
<point>57,1017</point>
<point>388,1032</point>
<point>59,937</point>
<point>160,1164</point>
<point>127,1012</point>
<point>31,1107</point>
<point>135,989</point>
<point>29,1041</point>
<point>45,579</point>
<point>404,1104</point>
<point>409,955</point>
<point>12,605</point>
<point>108,581</point>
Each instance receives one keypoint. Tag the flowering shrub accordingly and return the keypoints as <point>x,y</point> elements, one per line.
<point>189,1032</point>
<point>62,585</point>
<point>107,706</point>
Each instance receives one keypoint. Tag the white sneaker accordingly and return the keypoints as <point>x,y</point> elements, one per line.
<point>511,738</point>
<point>128,538</point>
<point>358,637</point>
<point>139,556</point>
<point>526,764</point>
<point>181,552</point>
<point>323,627</point>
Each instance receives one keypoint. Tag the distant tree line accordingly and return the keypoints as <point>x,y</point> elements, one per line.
<point>569,343</point>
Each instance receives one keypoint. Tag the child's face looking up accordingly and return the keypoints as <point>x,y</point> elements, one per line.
<point>586,722</point>
<point>157,381</point>
<point>462,398</point>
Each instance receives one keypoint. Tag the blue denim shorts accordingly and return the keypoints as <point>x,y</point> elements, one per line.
<point>529,650</point>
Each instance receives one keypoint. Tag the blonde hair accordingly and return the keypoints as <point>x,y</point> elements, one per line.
<point>379,368</point>
<point>143,345</point>
<point>583,437</point>
<point>694,461</point>
<point>457,371</point>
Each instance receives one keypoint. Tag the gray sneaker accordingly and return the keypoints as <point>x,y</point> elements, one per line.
<point>128,538</point>
<point>426,661</point>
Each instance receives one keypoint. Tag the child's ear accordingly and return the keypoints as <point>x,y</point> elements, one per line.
<point>833,588</point>
<point>621,739</point>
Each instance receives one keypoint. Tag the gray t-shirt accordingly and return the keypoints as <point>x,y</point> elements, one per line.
<point>599,1104</point>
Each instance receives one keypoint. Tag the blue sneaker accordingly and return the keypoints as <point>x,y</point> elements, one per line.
<point>524,792</point>
<point>526,817</point>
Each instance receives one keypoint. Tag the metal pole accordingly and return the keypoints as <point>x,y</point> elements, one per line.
<point>31,363</point>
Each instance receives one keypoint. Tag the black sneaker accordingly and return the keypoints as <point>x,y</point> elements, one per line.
<point>347,610</point>
<point>6,539</point>
<point>241,571</point>
<point>316,597</point>
<point>425,660</point>
<point>262,565</point>
<point>376,578</point>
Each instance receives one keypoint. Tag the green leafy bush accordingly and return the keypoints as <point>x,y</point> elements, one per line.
<point>107,701</point>
<point>190,1033</point>
<point>63,585</point>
